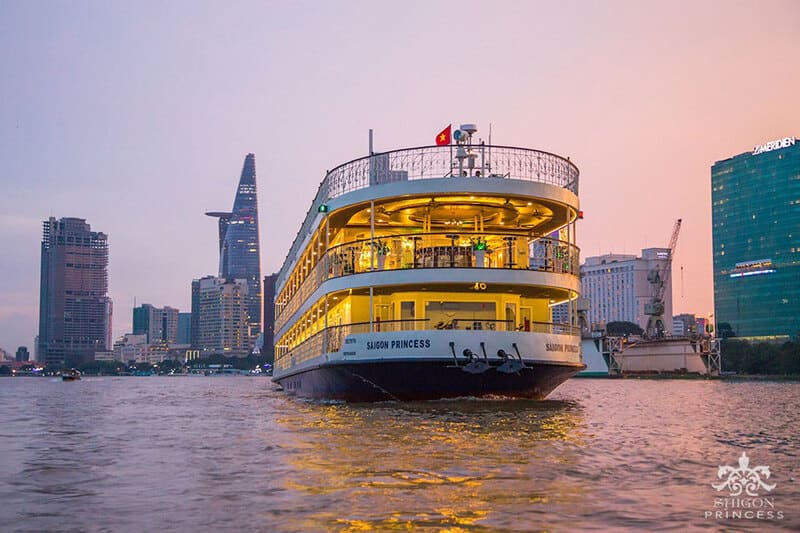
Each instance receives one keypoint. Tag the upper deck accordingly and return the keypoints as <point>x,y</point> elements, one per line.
<point>485,164</point>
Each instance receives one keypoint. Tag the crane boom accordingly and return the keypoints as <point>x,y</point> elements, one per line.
<point>659,278</point>
<point>673,242</point>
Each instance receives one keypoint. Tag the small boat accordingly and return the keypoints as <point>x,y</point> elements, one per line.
<point>71,375</point>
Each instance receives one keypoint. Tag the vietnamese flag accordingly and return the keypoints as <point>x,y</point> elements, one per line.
<point>444,136</point>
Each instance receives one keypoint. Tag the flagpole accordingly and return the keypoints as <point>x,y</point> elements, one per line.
<point>450,163</point>
<point>490,148</point>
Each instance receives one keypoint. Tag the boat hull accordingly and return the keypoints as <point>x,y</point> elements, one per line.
<point>403,380</point>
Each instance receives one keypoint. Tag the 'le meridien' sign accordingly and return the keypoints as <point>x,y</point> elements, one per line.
<point>773,145</point>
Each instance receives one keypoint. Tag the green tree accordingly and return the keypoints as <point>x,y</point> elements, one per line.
<point>724,330</point>
<point>744,357</point>
<point>623,328</point>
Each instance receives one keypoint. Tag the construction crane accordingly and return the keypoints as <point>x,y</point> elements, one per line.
<point>659,279</point>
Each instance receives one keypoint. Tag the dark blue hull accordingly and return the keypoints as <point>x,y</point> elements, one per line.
<point>426,380</point>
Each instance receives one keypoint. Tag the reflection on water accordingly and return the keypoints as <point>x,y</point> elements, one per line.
<point>231,453</point>
<point>442,464</point>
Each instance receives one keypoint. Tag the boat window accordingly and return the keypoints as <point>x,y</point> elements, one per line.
<point>511,313</point>
<point>525,318</point>
<point>461,315</point>
<point>407,312</point>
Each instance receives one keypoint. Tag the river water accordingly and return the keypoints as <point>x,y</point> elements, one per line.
<point>234,454</point>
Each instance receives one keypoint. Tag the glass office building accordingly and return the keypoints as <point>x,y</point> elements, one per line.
<point>239,248</point>
<point>755,199</point>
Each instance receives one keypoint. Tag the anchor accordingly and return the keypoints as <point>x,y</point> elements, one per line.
<point>509,365</point>
<point>474,365</point>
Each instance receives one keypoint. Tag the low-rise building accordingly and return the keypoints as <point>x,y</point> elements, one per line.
<point>23,354</point>
<point>104,356</point>
<point>132,347</point>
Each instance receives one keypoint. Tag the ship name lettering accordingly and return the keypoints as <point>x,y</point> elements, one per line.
<point>398,344</point>
<point>556,347</point>
<point>377,345</point>
<point>411,343</point>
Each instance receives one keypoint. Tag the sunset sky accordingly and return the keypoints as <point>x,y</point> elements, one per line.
<point>137,116</point>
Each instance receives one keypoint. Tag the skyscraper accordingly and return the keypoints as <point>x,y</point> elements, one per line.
<point>158,324</point>
<point>239,248</point>
<point>269,316</point>
<point>184,328</point>
<point>74,307</point>
<point>755,216</point>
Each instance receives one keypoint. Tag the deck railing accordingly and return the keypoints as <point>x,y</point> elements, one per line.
<point>433,250</point>
<point>427,162</point>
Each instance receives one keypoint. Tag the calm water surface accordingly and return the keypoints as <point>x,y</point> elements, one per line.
<point>233,454</point>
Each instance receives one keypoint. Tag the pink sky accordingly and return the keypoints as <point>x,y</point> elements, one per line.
<point>137,117</point>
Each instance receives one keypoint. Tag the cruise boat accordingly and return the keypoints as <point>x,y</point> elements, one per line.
<point>430,272</point>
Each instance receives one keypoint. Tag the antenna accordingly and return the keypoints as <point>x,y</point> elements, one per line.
<point>490,148</point>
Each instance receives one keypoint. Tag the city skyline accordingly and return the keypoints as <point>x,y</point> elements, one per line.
<point>643,114</point>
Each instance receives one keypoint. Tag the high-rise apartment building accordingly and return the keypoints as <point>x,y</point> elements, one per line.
<point>755,213</point>
<point>147,322</point>
<point>269,315</point>
<point>194,327</point>
<point>184,328</point>
<point>157,323</point>
<point>618,288</point>
<point>239,245</point>
<point>74,308</point>
<point>220,306</point>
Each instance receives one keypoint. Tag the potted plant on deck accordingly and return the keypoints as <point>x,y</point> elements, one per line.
<point>479,249</point>
<point>382,250</point>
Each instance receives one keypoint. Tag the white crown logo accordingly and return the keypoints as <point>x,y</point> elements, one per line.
<point>743,478</point>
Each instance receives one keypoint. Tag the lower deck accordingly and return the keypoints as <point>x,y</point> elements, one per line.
<point>429,364</point>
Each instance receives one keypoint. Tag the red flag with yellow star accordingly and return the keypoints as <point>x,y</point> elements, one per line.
<point>444,136</point>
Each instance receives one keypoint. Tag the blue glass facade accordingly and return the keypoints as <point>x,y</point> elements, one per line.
<point>755,200</point>
<point>239,248</point>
